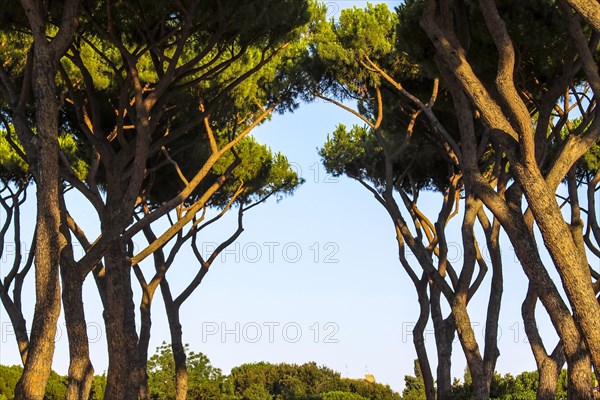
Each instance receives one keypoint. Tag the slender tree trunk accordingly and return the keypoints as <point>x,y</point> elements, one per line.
<point>81,371</point>
<point>32,384</point>
<point>179,356</point>
<point>481,387</point>
<point>119,315</point>
<point>419,338</point>
<point>144,343</point>
<point>444,336</point>
<point>12,305</point>
<point>19,326</point>
<point>549,366</point>
<point>491,352</point>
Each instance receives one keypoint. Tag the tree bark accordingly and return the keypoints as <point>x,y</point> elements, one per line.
<point>579,372</point>
<point>144,340</point>
<point>179,356</point>
<point>119,315</point>
<point>32,384</point>
<point>511,123</point>
<point>81,371</point>
<point>548,366</point>
<point>572,267</point>
<point>548,373</point>
<point>481,387</point>
<point>444,330</point>
<point>419,338</point>
<point>589,10</point>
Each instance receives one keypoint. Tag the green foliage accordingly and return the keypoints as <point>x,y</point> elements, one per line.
<point>204,380</point>
<point>414,387</point>
<point>98,387</point>
<point>338,395</point>
<point>342,45</point>
<point>9,376</point>
<point>14,168</point>
<point>283,380</point>
<point>301,382</point>
<point>521,387</point>
<point>368,390</point>
<point>56,388</point>
<point>346,49</point>
<point>262,173</point>
<point>358,154</point>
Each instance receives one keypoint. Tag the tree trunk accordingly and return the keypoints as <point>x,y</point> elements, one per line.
<point>119,315</point>
<point>579,386</point>
<point>444,336</point>
<point>575,274</point>
<point>491,352</point>
<point>144,343</point>
<point>481,386</point>
<point>548,366</point>
<point>419,338</point>
<point>548,373</point>
<point>179,356</point>
<point>18,323</point>
<point>49,242</point>
<point>81,371</point>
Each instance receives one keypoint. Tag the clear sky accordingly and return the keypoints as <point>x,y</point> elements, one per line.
<point>314,277</point>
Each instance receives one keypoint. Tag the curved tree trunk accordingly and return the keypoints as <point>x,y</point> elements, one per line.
<point>510,123</point>
<point>12,305</point>
<point>572,267</point>
<point>419,338</point>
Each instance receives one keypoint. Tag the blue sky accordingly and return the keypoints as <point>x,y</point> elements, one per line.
<point>314,277</point>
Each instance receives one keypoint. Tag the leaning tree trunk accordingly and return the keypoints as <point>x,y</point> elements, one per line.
<point>121,335</point>
<point>574,272</point>
<point>49,242</point>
